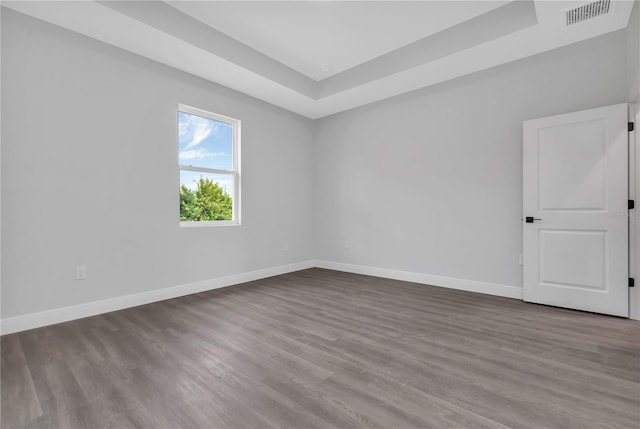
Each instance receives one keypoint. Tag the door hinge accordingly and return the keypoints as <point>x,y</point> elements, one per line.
<point>632,204</point>
<point>630,126</point>
<point>632,282</point>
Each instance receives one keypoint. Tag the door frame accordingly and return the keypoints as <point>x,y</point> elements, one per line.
<point>634,215</point>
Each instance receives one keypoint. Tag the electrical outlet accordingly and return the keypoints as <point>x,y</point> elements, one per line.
<point>285,247</point>
<point>347,245</point>
<point>520,260</point>
<point>81,272</point>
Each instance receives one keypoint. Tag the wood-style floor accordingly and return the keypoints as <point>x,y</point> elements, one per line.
<point>319,349</point>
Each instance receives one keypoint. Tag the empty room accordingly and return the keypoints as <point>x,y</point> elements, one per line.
<point>320,214</point>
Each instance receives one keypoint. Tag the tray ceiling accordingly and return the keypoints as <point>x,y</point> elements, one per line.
<point>317,58</point>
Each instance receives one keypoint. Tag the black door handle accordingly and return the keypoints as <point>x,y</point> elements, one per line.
<point>531,219</point>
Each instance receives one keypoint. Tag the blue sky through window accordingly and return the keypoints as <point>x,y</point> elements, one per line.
<point>204,142</point>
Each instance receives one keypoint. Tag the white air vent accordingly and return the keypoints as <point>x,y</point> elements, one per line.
<point>587,11</point>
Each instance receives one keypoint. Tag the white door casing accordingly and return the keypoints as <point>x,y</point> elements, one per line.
<point>575,180</point>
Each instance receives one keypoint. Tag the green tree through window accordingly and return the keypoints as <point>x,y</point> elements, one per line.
<point>208,202</point>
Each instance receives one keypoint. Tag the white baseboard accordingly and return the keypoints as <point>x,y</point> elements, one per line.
<point>427,279</point>
<point>58,315</point>
<point>51,317</point>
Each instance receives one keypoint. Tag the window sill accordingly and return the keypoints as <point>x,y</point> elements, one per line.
<point>213,223</point>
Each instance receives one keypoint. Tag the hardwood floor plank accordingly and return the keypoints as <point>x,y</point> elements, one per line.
<point>322,349</point>
<point>20,402</point>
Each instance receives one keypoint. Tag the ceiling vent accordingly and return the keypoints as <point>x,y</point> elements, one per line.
<point>587,11</point>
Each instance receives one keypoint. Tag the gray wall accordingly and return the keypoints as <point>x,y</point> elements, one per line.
<point>89,174</point>
<point>431,182</point>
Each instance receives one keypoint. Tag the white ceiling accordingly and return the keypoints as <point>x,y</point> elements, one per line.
<point>275,51</point>
<point>320,39</point>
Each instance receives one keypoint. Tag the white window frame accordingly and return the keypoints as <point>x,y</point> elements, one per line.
<point>235,126</point>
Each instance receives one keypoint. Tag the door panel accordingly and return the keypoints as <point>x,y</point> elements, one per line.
<point>581,186</point>
<point>575,183</point>
<point>563,254</point>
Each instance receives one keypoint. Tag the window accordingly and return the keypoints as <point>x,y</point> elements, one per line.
<point>208,154</point>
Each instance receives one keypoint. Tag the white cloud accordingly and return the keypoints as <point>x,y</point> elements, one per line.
<point>198,154</point>
<point>184,126</point>
<point>196,127</point>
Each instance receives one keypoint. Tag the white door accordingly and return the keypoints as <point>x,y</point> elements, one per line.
<point>575,196</point>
